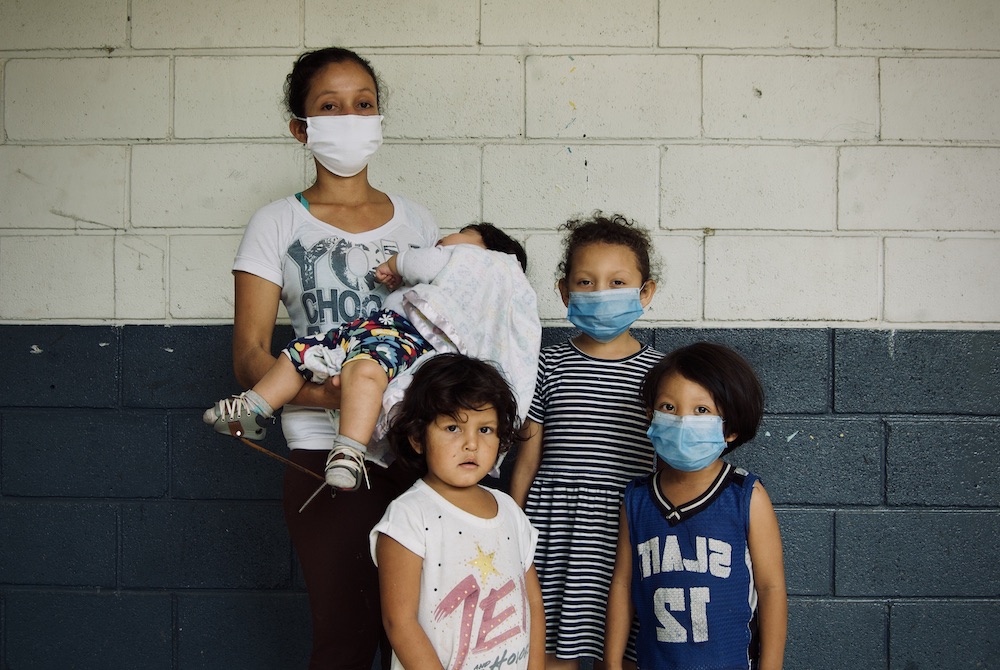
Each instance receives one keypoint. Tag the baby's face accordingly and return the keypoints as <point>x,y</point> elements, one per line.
<point>466,236</point>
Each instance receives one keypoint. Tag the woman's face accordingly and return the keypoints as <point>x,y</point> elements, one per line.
<point>342,88</point>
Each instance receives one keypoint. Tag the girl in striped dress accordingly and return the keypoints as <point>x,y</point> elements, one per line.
<point>585,436</point>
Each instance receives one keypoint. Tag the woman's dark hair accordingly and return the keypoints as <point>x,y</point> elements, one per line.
<point>449,384</point>
<point>306,67</point>
<point>497,240</point>
<point>725,374</point>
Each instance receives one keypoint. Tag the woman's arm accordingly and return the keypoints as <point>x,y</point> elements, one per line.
<point>764,540</point>
<point>529,456</point>
<point>253,327</point>
<point>399,585</point>
<point>620,608</point>
<point>536,648</point>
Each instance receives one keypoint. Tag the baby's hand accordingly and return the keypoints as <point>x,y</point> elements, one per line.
<point>385,276</point>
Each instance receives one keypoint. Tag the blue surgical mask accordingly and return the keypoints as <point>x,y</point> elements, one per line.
<point>687,443</point>
<point>604,315</point>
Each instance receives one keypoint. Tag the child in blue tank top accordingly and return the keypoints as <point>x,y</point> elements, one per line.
<point>699,551</point>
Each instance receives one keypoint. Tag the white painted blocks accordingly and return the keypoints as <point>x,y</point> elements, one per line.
<point>749,188</point>
<point>791,278</point>
<point>444,178</point>
<point>738,23</point>
<point>941,99</point>
<point>452,96</point>
<point>569,22</point>
<point>172,24</point>
<point>541,186</point>
<point>919,188</point>
<point>210,185</point>
<point>201,278</point>
<point>391,23</point>
<point>46,278</point>
<point>919,24</point>
<point>826,99</point>
<point>55,24</point>
<point>942,280</point>
<point>46,187</point>
<point>141,277</point>
<point>230,97</point>
<point>613,96</point>
<point>544,253</point>
<point>87,98</point>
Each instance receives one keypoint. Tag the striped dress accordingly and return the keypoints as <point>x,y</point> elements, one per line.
<point>593,444</point>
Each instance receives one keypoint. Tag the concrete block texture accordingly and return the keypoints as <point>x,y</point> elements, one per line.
<point>53,192</point>
<point>211,545</point>
<point>444,178</point>
<point>791,278</point>
<point>57,543</point>
<point>83,288</point>
<point>904,553</point>
<point>476,96</point>
<point>51,24</point>
<point>949,462</point>
<point>940,99</point>
<point>944,634</point>
<point>823,99</point>
<point>393,23</point>
<point>749,188</point>
<point>71,629</point>
<point>596,96</point>
<point>59,366</point>
<point>918,24</point>
<point>807,546</point>
<point>171,24</point>
<point>574,22</point>
<point>918,188</point>
<point>229,97</point>
<point>211,186</point>
<point>84,454</point>
<point>736,24</point>
<point>141,277</point>
<point>201,278</point>
<point>541,186</point>
<point>243,630</point>
<point>825,634</point>
<point>941,279</point>
<point>113,98</point>
<point>917,372</point>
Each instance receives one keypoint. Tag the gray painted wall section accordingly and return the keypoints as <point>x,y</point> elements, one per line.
<point>133,537</point>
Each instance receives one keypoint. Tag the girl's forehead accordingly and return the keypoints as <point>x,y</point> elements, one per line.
<point>604,256</point>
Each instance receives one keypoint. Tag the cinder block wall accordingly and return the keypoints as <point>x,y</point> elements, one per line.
<point>820,177</point>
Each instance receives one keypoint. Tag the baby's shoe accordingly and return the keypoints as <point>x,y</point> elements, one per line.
<point>238,416</point>
<point>345,467</point>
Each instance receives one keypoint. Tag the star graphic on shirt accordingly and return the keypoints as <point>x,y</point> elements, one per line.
<point>484,563</point>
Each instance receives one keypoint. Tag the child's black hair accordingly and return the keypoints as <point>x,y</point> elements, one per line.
<point>497,240</point>
<point>606,229</point>
<point>299,80</point>
<point>449,384</point>
<point>724,374</point>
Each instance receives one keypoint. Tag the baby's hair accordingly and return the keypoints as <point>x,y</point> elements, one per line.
<point>606,229</point>
<point>724,374</point>
<point>450,384</point>
<point>299,80</point>
<point>497,240</point>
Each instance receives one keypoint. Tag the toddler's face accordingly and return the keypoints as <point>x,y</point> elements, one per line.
<point>467,236</point>
<point>680,396</point>
<point>460,450</point>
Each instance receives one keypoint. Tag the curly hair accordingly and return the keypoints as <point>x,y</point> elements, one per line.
<point>448,384</point>
<point>606,229</point>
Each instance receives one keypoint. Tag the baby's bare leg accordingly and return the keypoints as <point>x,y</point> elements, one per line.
<point>281,383</point>
<point>362,383</point>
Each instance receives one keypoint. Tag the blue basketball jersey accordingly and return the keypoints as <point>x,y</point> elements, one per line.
<point>692,579</point>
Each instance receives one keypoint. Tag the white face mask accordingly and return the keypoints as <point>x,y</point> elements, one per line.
<point>343,144</point>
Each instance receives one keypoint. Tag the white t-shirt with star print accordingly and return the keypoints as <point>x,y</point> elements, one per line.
<point>473,603</point>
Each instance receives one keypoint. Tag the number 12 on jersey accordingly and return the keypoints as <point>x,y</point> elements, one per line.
<point>667,600</point>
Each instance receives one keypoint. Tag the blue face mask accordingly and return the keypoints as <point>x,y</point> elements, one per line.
<point>687,443</point>
<point>604,315</point>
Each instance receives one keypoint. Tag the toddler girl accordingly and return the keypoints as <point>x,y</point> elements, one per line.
<point>586,431</point>
<point>699,552</point>
<point>459,589</point>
